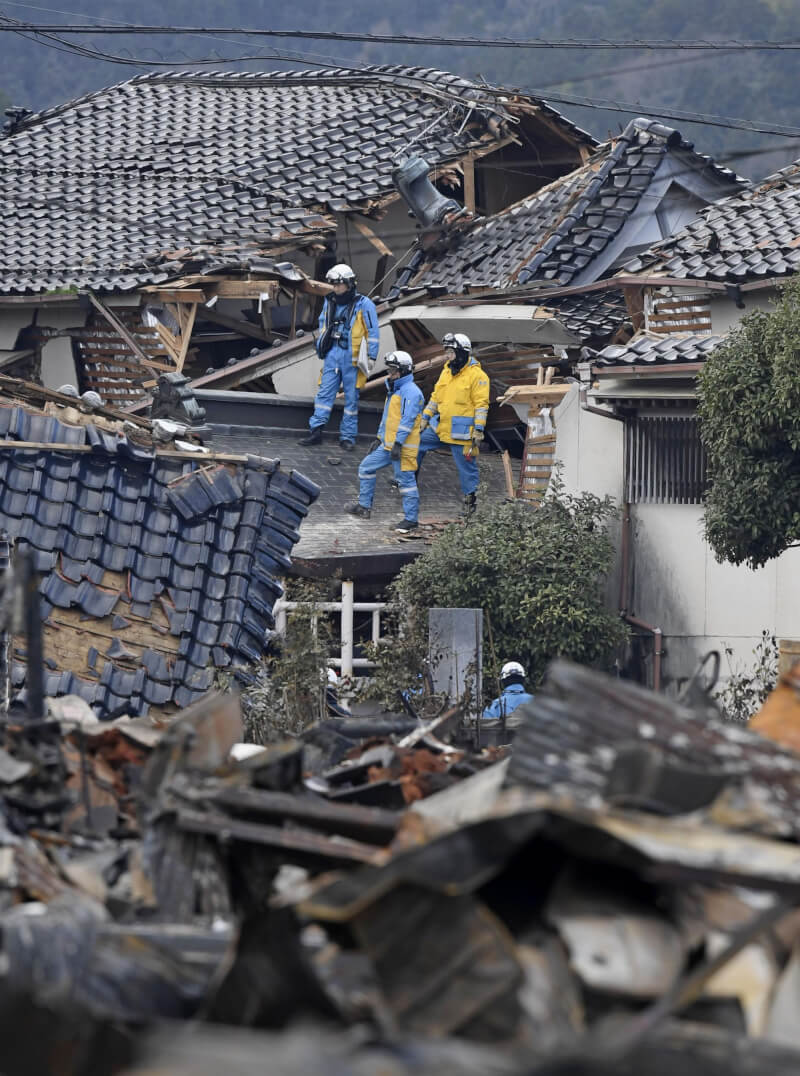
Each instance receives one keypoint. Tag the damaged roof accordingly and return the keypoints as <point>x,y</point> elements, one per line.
<point>653,349</point>
<point>331,537</point>
<point>750,236</point>
<point>590,314</point>
<point>158,567</point>
<point>169,171</point>
<point>557,233</point>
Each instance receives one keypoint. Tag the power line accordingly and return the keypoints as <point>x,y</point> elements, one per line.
<point>639,109</point>
<point>416,39</point>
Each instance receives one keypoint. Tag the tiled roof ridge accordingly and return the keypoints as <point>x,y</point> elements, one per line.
<point>582,189</point>
<point>423,79</point>
<point>571,215</point>
<point>629,137</point>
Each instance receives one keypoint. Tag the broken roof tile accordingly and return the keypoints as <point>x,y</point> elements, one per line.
<point>188,563</point>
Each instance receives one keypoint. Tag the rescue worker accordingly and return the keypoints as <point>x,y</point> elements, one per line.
<point>512,683</point>
<point>332,704</point>
<point>398,441</point>
<point>456,413</point>
<point>348,346</point>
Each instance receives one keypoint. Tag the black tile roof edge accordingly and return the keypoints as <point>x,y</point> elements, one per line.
<point>672,138</point>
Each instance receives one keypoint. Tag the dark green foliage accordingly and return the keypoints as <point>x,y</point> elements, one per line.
<point>749,403</point>
<point>536,572</point>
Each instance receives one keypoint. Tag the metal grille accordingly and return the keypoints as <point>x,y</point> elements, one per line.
<point>665,462</point>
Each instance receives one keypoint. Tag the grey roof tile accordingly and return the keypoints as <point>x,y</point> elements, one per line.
<point>747,236</point>
<point>650,349</point>
<point>97,189</point>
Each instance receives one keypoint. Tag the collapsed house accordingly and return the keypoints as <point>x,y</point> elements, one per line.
<point>521,281</point>
<point>179,221</point>
<point>619,896</point>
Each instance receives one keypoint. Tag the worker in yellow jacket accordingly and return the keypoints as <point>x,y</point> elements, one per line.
<point>456,413</point>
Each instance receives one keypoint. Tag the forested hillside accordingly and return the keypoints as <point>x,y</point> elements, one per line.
<point>757,86</point>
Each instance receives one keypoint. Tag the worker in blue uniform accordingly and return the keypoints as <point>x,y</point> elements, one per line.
<point>398,442</point>
<point>348,346</point>
<point>512,683</point>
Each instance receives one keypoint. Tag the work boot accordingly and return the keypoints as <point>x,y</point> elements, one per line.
<point>313,437</point>
<point>470,504</point>
<point>347,446</point>
<point>357,510</point>
<point>406,526</point>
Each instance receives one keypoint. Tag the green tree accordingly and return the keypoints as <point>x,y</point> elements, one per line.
<point>749,404</point>
<point>537,572</point>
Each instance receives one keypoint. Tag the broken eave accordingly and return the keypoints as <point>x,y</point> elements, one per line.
<point>656,370</point>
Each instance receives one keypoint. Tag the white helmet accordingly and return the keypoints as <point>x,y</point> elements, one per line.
<point>401,362</point>
<point>512,670</point>
<point>341,274</point>
<point>457,341</point>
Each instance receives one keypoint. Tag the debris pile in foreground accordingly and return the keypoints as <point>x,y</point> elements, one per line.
<point>621,894</point>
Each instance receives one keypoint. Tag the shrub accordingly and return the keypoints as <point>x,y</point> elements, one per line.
<point>537,573</point>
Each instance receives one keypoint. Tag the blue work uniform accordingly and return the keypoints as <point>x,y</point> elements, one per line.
<point>400,423</point>
<point>355,337</point>
<point>513,696</point>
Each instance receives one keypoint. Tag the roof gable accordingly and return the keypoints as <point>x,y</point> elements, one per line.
<point>557,234</point>
<point>749,236</point>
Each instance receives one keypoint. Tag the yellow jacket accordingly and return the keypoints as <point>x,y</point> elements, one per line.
<point>460,402</point>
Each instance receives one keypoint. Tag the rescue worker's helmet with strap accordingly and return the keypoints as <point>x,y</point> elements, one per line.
<point>461,345</point>
<point>512,673</point>
<point>341,274</point>
<point>399,363</point>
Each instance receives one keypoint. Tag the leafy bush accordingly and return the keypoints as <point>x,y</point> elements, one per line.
<point>537,573</point>
<point>749,405</point>
<point>287,694</point>
<point>746,690</point>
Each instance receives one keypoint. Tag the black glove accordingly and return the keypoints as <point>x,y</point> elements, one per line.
<point>397,450</point>
<point>377,443</point>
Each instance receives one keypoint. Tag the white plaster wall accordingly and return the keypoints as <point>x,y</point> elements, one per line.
<point>700,604</point>
<point>589,448</point>
<point>58,365</point>
<point>725,314</point>
<point>676,583</point>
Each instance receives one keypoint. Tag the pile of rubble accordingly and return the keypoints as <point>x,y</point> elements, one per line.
<point>619,895</point>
